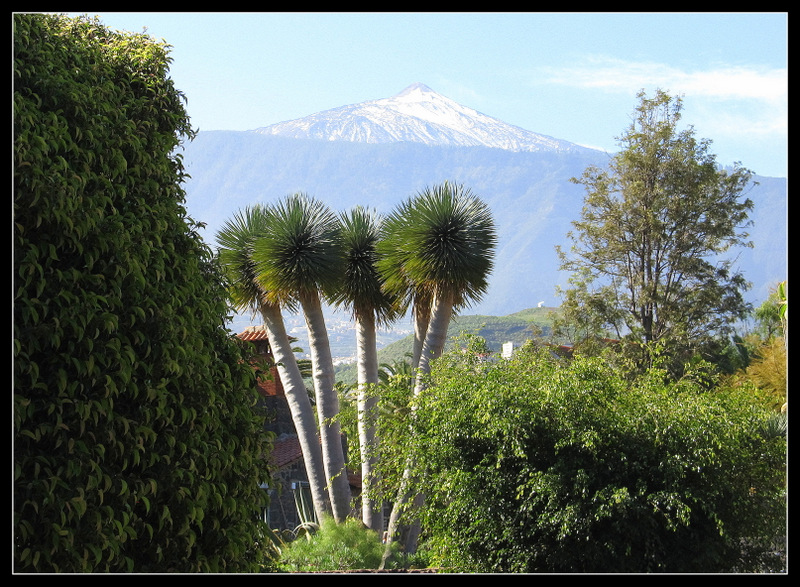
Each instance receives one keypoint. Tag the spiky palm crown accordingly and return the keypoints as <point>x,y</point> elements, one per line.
<point>302,250</point>
<point>362,287</point>
<point>235,242</point>
<point>443,239</point>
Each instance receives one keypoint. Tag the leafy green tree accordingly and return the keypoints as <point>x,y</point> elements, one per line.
<point>539,464</point>
<point>300,259</point>
<point>362,291</point>
<point>646,258</point>
<point>235,244</point>
<point>137,446</point>
<point>769,315</point>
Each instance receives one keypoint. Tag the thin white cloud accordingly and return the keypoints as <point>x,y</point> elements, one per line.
<point>737,102</point>
<point>724,82</point>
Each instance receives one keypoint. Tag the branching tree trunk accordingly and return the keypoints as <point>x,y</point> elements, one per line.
<point>361,291</point>
<point>299,259</point>
<point>371,507</point>
<point>236,241</point>
<point>327,407</point>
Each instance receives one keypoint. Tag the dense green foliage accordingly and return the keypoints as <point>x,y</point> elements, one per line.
<point>333,547</point>
<point>136,443</point>
<point>538,464</point>
<point>648,250</point>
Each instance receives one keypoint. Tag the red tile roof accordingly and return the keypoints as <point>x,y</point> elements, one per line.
<point>254,333</point>
<point>270,387</point>
<point>286,451</point>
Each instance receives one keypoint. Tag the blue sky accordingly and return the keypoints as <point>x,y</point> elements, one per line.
<point>573,76</point>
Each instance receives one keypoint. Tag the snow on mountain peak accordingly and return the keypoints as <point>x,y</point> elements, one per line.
<point>415,88</point>
<point>417,114</point>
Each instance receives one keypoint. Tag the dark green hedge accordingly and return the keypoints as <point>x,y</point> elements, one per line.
<point>136,443</point>
<point>541,465</point>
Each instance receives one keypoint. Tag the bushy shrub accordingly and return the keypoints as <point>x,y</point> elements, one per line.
<point>136,443</point>
<point>768,371</point>
<point>334,547</point>
<point>539,464</point>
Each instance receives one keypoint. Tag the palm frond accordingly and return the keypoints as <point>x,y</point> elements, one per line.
<point>442,238</point>
<point>235,241</point>
<point>301,252</point>
<point>362,288</point>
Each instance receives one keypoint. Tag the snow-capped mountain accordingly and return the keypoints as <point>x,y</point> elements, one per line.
<point>378,153</point>
<point>417,115</point>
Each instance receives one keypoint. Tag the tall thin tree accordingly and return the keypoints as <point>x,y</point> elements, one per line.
<point>300,258</point>
<point>235,244</point>
<point>439,248</point>
<point>363,293</point>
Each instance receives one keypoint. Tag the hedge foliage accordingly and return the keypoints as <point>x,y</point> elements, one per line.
<point>538,464</point>
<point>137,447</point>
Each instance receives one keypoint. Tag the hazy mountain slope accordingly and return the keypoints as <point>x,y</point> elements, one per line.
<point>528,189</point>
<point>496,330</point>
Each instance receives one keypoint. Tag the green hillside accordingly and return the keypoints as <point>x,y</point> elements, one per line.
<point>496,330</point>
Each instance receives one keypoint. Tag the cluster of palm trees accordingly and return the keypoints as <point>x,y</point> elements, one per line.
<point>431,256</point>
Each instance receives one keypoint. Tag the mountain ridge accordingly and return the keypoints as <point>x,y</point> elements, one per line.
<point>416,114</point>
<point>530,194</point>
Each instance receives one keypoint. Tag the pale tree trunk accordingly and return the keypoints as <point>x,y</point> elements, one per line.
<point>371,506</point>
<point>435,337</point>
<point>299,406</point>
<point>433,346</point>
<point>327,407</point>
<point>422,316</point>
<point>398,509</point>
